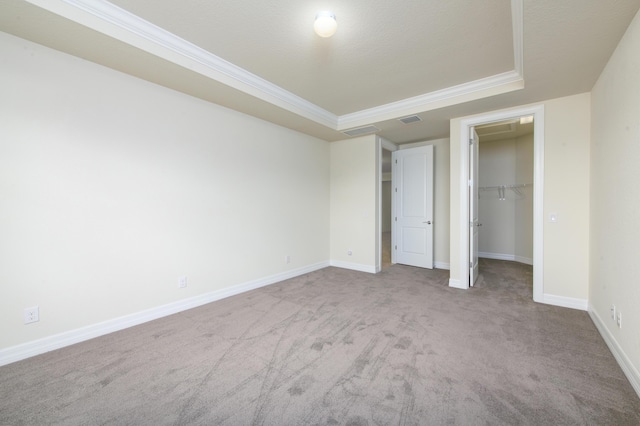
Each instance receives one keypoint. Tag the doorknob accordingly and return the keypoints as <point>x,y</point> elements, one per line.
<point>427,222</point>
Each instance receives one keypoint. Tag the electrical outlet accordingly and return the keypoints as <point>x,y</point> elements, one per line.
<point>31,315</point>
<point>182,282</point>
<point>287,259</point>
<point>613,312</point>
<point>619,320</point>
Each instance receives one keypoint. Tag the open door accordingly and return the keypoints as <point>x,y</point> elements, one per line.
<point>474,145</point>
<point>413,215</point>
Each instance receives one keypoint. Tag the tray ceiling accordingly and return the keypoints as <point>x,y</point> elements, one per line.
<point>387,60</point>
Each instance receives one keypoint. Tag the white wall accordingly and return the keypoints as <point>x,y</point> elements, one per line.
<point>615,201</point>
<point>112,187</point>
<point>524,206</point>
<point>440,199</point>
<point>566,192</point>
<point>354,203</point>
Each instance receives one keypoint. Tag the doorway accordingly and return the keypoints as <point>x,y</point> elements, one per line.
<point>467,185</point>
<point>385,209</point>
<point>505,190</point>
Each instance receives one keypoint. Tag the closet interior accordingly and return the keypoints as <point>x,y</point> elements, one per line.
<point>506,190</point>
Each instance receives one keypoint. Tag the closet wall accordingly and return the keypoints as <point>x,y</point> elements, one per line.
<point>385,179</point>
<point>506,199</point>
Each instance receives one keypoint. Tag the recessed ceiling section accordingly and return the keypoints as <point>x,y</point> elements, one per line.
<point>433,59</point>
<point>178,36</point>
<point>434,44</point>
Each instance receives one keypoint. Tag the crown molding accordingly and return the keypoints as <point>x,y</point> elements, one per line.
<point>473,90</point>
<point>113,21</point>
<point>465,92</point>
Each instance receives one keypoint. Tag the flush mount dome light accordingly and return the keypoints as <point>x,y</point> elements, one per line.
<point>325,24</point>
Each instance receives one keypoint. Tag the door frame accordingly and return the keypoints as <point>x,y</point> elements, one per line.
<point>537,111</point>
<point>382,144</point>
<point>473,231</point>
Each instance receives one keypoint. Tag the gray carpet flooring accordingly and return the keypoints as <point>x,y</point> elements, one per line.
<point>338,347</point>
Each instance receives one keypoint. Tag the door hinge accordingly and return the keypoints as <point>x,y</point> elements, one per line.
<point>471,224</point>
<point>396,218</point>
<point>395,247</point>
<point>470,183</point>
<point>470,141</point>
<point>396,161</point>
<point>396,189</point>
<point>470,264</point>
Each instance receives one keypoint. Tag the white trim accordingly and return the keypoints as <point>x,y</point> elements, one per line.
<point>538,192</point>
<point>354,266</point>
<point>388,145</point>
<point>384,144</point>
<point>378,213</point>
<point>124,26</point>
<point>496,256</point>
<point>113,21</point>
<point>458,284</point>
<point>441,265</point>
<point>57,341</point>
<point>522,259</point>
<point>465,92</point>
<point>625,363</point>
<point>565,302</point>
<point>509,257</point>
<point>517,21</point>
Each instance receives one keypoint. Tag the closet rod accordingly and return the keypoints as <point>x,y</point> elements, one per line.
<point>517,185</point>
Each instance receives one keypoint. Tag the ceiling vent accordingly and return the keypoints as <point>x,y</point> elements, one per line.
<point>361,131</point>
<point>410,119</point>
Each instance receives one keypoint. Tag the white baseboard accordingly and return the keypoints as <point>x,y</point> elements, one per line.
<point>353,266</point>
<point>456,283</point>
<point>436,265</point>
<point>623,360</point>
<point>565,302</point>
<point>510,257</point>
<point>441,265</point>
<point>525,260</point>
<point>57,341</point>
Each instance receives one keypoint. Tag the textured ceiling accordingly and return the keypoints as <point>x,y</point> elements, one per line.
<point>387,59</point>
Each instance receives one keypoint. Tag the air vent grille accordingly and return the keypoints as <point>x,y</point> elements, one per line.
<point>410,119</point>
<point>361,131</point>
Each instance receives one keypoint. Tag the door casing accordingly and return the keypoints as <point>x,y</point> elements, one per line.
<point>537,111</point>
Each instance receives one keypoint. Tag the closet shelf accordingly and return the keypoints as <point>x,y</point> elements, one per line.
<point>502,189</point>
<point>517,185</point>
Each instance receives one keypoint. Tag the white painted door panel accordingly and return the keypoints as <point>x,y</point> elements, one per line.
<point>413,216</point>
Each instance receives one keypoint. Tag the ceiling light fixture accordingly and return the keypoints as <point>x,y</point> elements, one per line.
<point>325,24</point>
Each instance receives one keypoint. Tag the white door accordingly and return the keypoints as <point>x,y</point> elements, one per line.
<point>473,206</point>
<point>413,206</point>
